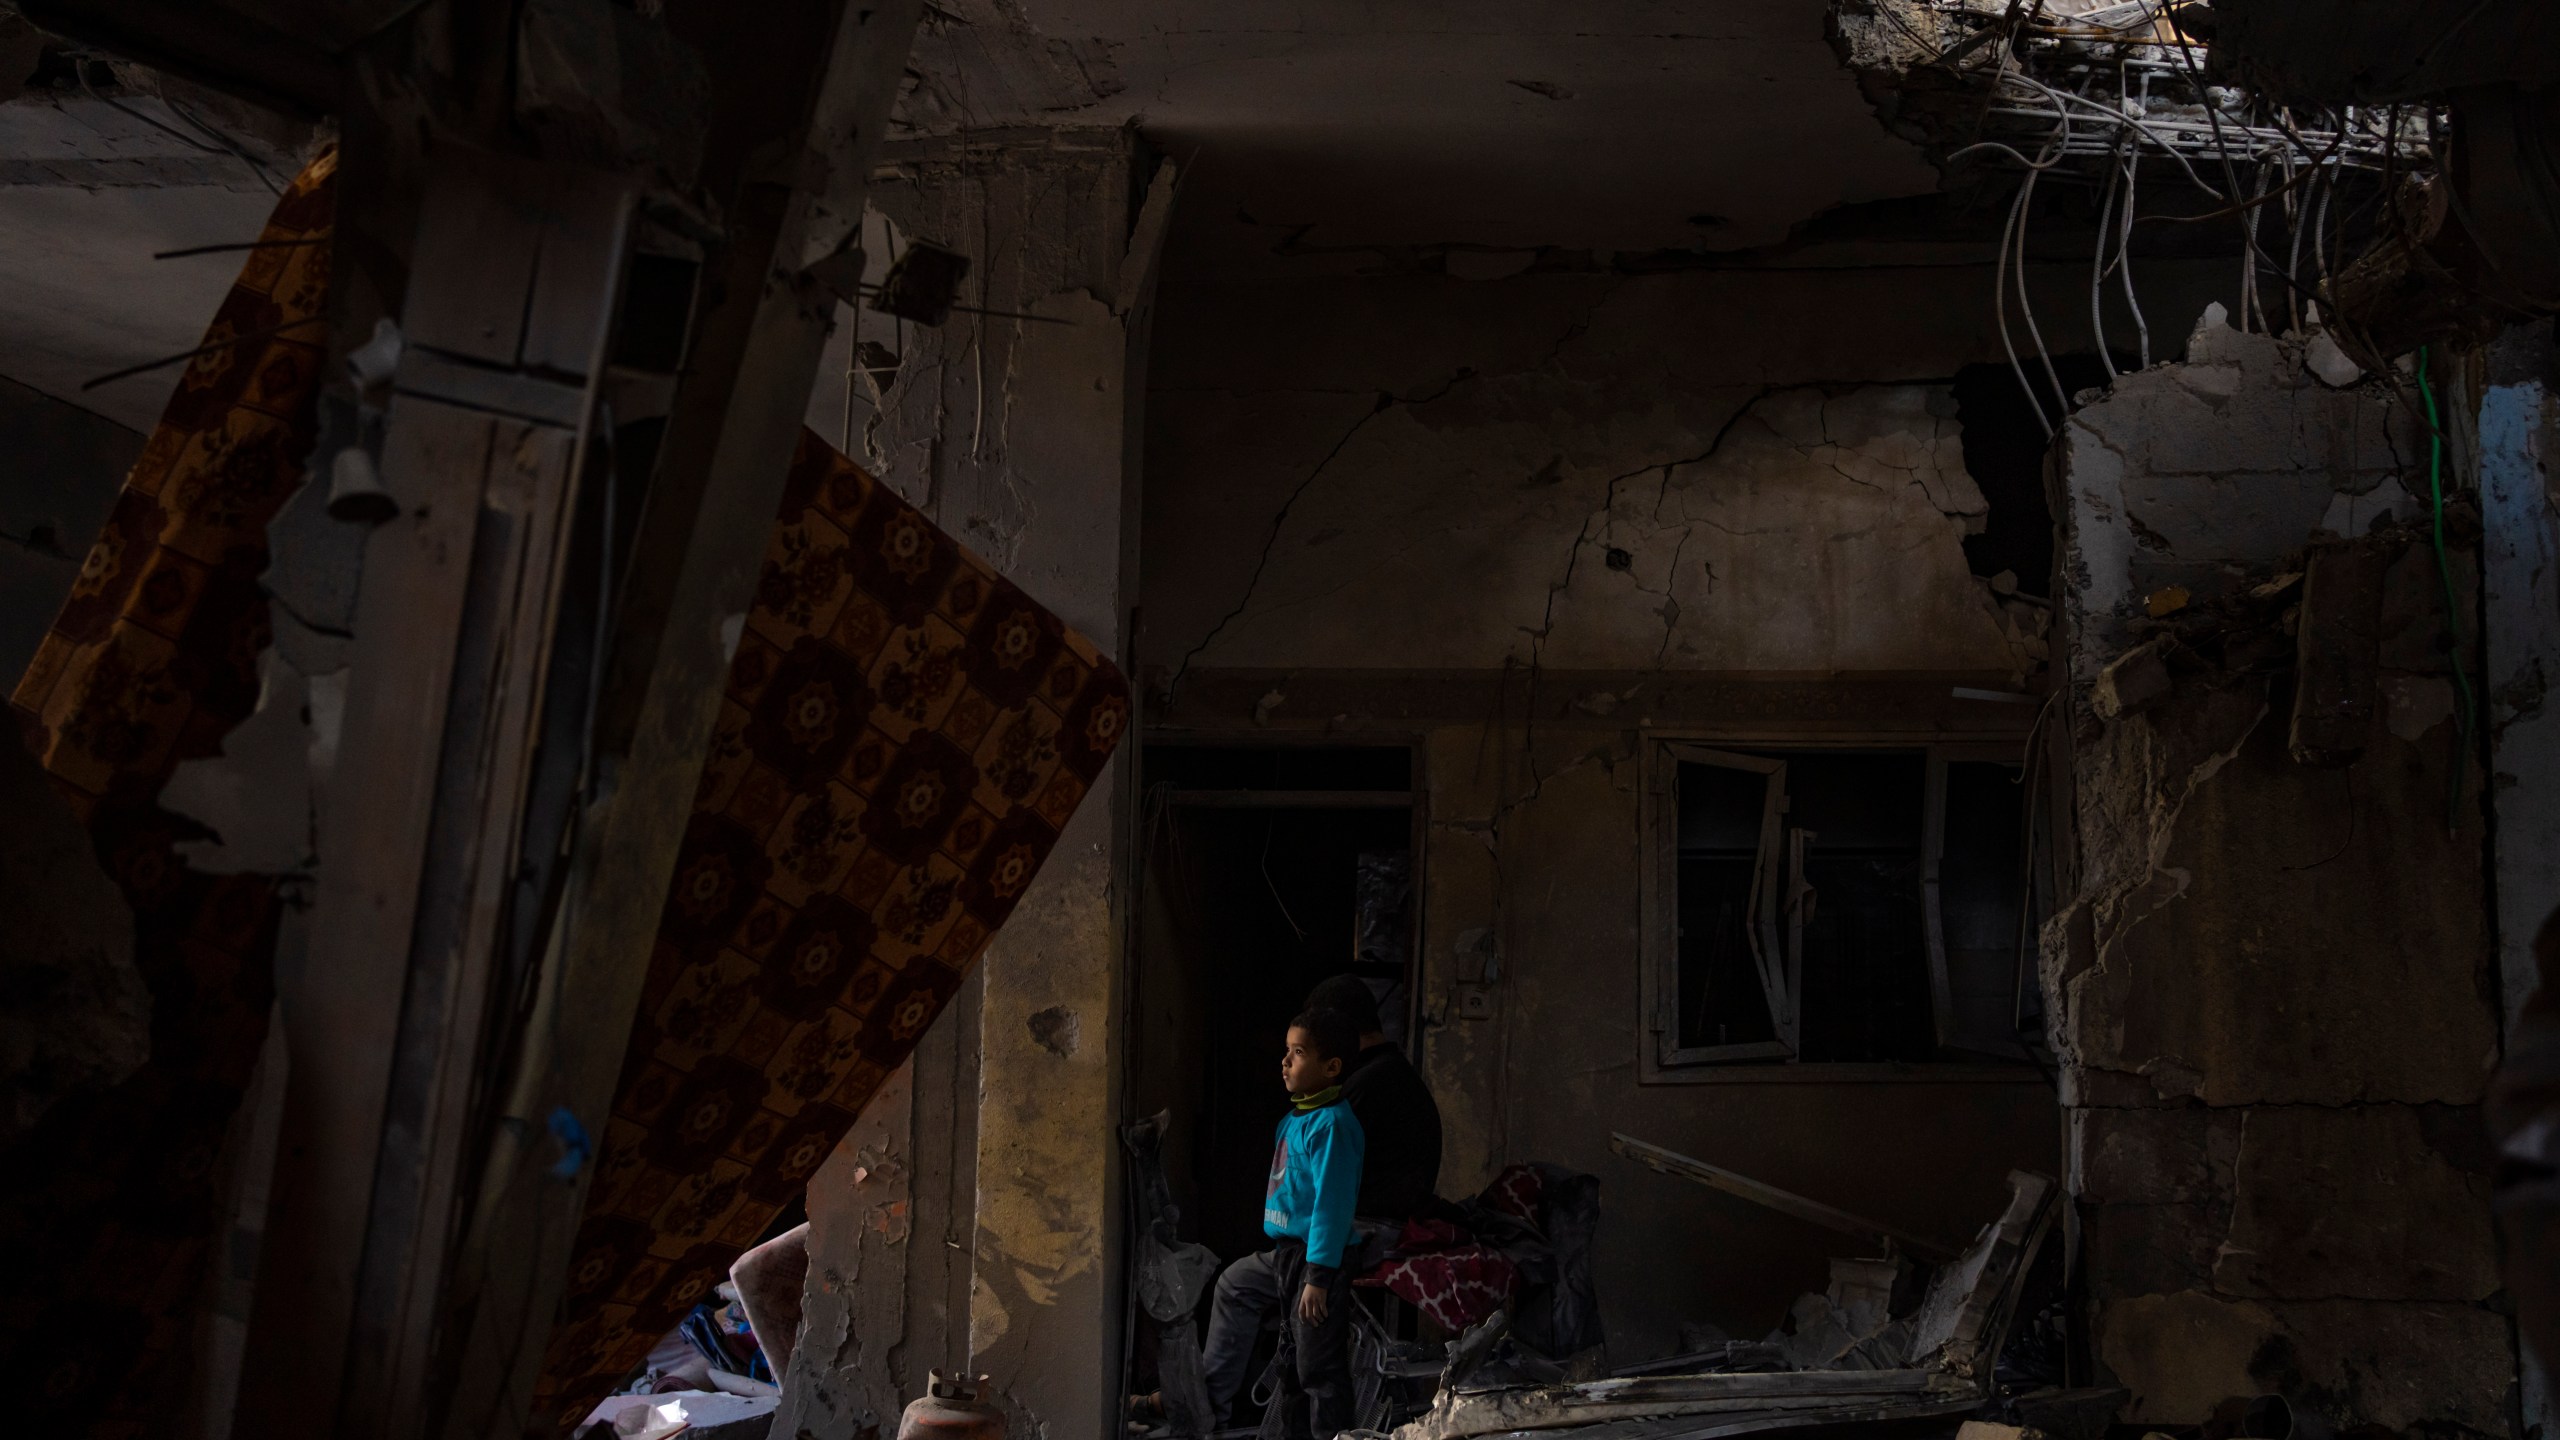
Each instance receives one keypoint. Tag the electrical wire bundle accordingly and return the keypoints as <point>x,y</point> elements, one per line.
<point>2116,99</point>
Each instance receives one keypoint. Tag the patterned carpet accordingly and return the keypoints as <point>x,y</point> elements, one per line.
<point>903,737</point>
<point>108,1205</point>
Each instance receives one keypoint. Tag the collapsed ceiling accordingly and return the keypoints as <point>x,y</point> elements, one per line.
<point>1323,128</point>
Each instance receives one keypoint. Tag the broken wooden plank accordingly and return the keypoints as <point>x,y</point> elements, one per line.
<point>1697,1407</point>
<point>2132,682</point>
<point>1785,1202</point>
<point>1719,1427</point>
<point>342,1012</point>
<point>1963,1318</point>
<point>794,173</point>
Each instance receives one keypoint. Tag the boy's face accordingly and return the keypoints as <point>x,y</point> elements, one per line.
<point>1304,1070</point>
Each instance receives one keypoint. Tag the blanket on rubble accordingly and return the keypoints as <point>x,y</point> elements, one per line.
<point>1523,1241</point>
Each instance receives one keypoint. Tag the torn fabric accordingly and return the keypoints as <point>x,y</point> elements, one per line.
<point>107,1206</point>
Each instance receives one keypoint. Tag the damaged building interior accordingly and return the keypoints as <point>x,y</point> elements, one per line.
<point>702,688</point>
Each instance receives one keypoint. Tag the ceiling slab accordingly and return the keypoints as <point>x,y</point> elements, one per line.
<point>88,192</point>
<point>1505,125</point>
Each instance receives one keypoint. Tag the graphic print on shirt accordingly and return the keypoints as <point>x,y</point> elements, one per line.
<point>1272,1214</point>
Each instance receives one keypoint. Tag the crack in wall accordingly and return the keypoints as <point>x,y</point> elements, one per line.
<point>1280,519</point>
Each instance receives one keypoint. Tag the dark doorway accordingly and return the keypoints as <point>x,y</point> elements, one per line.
<point>1265,871</point>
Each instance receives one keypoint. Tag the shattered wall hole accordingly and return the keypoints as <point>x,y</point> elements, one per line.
<point>2004,451</point>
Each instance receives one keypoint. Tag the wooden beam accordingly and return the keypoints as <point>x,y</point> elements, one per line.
<point>342,1012</point>
<point>1785,1202</point>
<point>798,116</point>
<point>422,816</point>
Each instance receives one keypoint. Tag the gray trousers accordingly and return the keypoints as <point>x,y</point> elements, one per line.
<point>1248,1293</point>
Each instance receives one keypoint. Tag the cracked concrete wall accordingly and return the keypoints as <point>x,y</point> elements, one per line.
<point>1523,523</point>
<point>1014,435</point>
<point>2274,994</point>
<point>1800,529</point>
<point>1544,886</point>
<point>1704,471</point>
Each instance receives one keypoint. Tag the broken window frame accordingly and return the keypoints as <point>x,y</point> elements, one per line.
<point>1780,906</point>
<point>1774,961</point>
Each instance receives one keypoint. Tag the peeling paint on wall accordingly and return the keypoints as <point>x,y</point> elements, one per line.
<point>1013,434</point>
<point>844,1382</point>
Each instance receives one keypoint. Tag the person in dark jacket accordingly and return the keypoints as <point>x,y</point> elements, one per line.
<point>1397,1114</point>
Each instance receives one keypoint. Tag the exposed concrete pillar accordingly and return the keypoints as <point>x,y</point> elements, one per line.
<point>2271,992</point>
<point>1020,437</point>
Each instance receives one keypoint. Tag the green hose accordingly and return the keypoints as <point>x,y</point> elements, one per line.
<point>2452,602</point>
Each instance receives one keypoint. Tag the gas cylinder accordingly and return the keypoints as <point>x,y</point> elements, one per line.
<point>951,1410</point>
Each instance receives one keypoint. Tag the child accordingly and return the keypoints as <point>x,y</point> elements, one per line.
<point>1315,1177</point>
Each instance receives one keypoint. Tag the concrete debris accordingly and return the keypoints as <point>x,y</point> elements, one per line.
<point>2272,995</point>
<point>923,283</point>
<point>2322,357</point>
<point>769,1280</point>
<point>2232,461</point>
<point>2132,682</point>
<point>1849,1361</point>
<point>255,797</point>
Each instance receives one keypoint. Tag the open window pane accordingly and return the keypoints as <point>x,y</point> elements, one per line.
<point>1729,1001</point>
<point>1721,1001</point>
<point>1833,906</point>
<point>1980,879</point>
<point>1865,949</point>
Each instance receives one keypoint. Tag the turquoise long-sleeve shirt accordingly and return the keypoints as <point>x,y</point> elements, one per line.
<point>1315,1179</point>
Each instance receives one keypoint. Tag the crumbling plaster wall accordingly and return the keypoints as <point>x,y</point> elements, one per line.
<point>967,1222</point>
<point>2274,994</point>
<point>1438,471</point>
<point>1715,470</point>
<point>1544,886</point>
<point>1792,529</point>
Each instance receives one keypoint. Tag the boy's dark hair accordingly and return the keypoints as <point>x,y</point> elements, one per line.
<point>1332,1032</point>
<point>1350,995</point>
